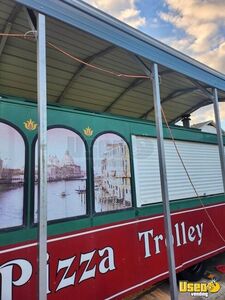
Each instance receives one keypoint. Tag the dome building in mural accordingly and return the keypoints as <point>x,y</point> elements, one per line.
<point>67,159</point>
<point>54,168</point>
<point>69,169</point>
<point>11,176</point>
<point>66,169</point>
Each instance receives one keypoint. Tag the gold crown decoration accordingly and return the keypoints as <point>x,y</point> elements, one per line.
<point>88,131</point>
<point>30,125</point>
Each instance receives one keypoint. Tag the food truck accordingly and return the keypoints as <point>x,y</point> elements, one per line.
<point>86,172</point>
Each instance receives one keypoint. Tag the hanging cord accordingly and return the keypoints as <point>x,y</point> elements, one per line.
<point>96,67</point>
<point>27,35</point>
<point>32,34</point>
<point>189,177</point>
<point>12,34</point>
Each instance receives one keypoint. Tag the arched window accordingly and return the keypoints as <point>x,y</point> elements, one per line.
<point>112,184</point>
<point>66,175</point>
<point>12,166</point>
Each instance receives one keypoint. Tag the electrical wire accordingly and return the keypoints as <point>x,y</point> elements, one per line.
<point>28,34</point>
<point>189,177</point>
<point>32,34</point>
<point>12,34</point>
<point>96,67</point>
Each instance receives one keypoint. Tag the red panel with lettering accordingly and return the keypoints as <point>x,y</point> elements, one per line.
<point>113,261</point>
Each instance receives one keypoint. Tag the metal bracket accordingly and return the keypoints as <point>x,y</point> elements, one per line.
<point>201,88</point>
<point>146,69</point>
<point>32,20</point>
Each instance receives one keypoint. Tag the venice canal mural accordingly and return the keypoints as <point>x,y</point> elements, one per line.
<point>12,165</point>
<point>66,175</point>
<point>111,173</point>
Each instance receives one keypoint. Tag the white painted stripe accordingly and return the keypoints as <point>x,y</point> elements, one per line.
<point>127,223</point>
<point>162,274</point>
<point>201,256</point>
<point>18,248</point>
<point>197,209</point>
<point>137,285</point>
<point>110,227</point>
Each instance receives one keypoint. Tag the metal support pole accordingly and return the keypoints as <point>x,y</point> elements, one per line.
<point>42,158</point>
<point>164,185</point>
<point>219,134</point>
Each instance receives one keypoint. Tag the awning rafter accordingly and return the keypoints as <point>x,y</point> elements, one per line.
<point>201,88</point>
<point>191,110</point>
<point>172,96</point>
<point>8,25</point>
<point>81,70</point>
<point>205,102</point>
<point>136,82</point>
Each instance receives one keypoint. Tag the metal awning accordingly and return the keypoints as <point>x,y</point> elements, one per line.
<point>107,43</point>
<point>75,32</point>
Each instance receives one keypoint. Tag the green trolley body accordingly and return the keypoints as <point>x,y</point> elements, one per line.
<point>105,221</point>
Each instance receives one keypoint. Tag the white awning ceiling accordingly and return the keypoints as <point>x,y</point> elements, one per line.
<point>71,83</point>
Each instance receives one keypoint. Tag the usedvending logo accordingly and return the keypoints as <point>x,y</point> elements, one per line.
<point>199,289</point>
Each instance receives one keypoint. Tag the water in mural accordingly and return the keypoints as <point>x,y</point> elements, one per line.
<point>11,206</point>
<point>66,175</point>
<point>65,199</point>
<point>12,164</point>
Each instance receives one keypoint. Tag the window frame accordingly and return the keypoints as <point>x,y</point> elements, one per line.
<point>132,207</point>
<point>65,219</point>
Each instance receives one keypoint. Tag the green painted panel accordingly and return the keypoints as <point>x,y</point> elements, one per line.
<point>17,111</point>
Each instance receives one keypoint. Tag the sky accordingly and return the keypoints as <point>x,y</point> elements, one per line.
<point>194,27</point>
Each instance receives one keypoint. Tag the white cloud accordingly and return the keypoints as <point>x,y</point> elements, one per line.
<point>202,23</point>
<point>124,10</point>
<point>203,26</point>
<point>214,58</point>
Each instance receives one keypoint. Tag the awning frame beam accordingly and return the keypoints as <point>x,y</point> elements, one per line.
<point>32,20</point>
<point>42,157</point>
<point>164,183</point>
<point>154,75</point>
<point>219,134</point>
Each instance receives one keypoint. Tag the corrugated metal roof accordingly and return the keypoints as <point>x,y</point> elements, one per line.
<point>72,84</point>
<point>87,18</point>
